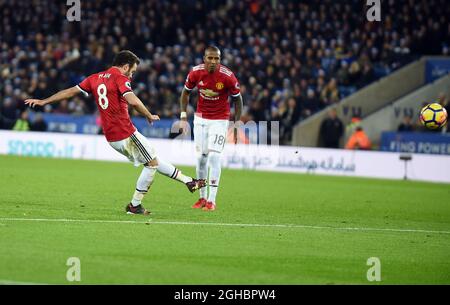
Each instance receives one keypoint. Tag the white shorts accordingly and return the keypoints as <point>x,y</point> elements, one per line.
<point>136,148</point>
<point>209,135</point>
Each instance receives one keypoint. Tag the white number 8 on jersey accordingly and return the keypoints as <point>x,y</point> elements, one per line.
<point>102,99</point>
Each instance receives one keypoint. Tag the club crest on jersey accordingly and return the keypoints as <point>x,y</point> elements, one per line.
<point>208,92</point>
<point>128,85</point>
<point>219,86</point>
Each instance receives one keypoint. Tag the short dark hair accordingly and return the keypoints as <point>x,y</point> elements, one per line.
<point>212,48</point>
<point>125,57</point>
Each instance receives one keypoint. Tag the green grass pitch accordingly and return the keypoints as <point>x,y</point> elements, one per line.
<point>269,228</point>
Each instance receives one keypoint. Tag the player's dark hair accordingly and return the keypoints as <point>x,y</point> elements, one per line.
<point>125,57</point>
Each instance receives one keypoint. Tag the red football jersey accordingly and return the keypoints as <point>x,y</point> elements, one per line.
<point>213,89</point>
<point>109,88</point>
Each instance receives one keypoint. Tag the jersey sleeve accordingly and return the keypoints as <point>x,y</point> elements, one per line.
<point>123,84</point>
<point>191,81</point>
<point>234,87</point>
<point>85,86</point>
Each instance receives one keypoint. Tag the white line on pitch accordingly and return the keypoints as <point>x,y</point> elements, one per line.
<point>151,221</point>
<point>8,282</point>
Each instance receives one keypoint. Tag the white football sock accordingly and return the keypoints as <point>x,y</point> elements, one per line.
<point>202,173</point>
<point>171,171</point>
<point>143,184</point>
<point>215,168</point>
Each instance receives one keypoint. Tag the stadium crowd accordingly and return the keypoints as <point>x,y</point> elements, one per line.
<point>292,58</point>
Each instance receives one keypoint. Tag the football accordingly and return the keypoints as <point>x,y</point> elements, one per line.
<point>433,116</point>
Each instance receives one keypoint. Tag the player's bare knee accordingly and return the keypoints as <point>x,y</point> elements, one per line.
<point>152,163</point>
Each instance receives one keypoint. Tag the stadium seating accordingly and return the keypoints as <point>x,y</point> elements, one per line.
<point>277,49</point>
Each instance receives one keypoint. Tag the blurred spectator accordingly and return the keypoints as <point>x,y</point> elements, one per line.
<point>62,107</point>
<point>9,112</point>
<point>258,108</point>
<point>272,46</point>
<point>330,94</point>
<point>289,118</point>
<point>406,125</point>
<point>331,130</point>
<point>359,140</point>
<point>351,127</point>
<point>311,102</point>
<point>38,124</point>
<point>22,123</point>
<point>367,76</point>
<point>343,74</point>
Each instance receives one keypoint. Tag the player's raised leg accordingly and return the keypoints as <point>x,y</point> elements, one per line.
<point>172,172</point>
<point>145,151</point>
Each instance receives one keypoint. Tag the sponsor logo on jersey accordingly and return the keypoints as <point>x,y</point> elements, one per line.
<point>219,86</point>
<point>208,93</point>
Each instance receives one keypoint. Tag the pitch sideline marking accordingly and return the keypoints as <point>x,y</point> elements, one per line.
<point>8,282</point>
<point>150,221</point>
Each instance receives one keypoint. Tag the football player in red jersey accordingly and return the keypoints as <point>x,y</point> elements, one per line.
<point>215,83</point>
<point>112,92</point>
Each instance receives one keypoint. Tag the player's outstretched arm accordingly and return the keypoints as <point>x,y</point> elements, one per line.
<point>137,104</point>
<point>59,96</point>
